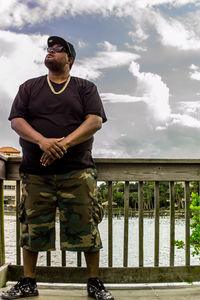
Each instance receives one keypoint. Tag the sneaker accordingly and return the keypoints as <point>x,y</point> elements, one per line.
<point>96,290</point>
<point>26,287</point>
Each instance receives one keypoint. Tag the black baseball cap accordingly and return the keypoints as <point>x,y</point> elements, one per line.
<point>52,40</point>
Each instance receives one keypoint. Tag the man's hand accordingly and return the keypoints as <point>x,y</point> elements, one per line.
<point>50,146</point>
<point>53,149</point>
<point>85,131</point>
<point>46,161</point>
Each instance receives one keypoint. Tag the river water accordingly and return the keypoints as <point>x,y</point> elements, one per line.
<point>118,236</point>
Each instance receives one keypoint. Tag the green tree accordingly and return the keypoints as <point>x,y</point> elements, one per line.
<point>164,194</point>
<point>148,195</point>
<point>102,191</point>
<point>194,187</point>
<point>118,197</point>
<point>179,194</point>
<point>195,226</point>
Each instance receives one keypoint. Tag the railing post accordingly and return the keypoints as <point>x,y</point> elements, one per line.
<point>110,227</point>
<point>48,258</point>
<point>187,224</point>
<point>141,225</point>
<point>79,259</point>
<point>18,196</point>
<point>126,215</point>
<point>2,240</point>
<point>63,258</point>
<point>156,209</point>
<point>172,223</point>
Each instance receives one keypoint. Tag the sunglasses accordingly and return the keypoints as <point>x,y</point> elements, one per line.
<point>56,49</point>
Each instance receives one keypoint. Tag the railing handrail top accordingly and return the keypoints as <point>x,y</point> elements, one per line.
<point>148,160</point>
<point>125,160</point>
<point>3,157</point>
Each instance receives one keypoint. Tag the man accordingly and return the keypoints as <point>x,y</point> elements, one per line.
<point>56,117</point>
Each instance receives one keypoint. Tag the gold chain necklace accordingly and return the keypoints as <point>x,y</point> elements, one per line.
<point>52,88</point>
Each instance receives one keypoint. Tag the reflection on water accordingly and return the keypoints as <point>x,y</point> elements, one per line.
<point>118,238</point>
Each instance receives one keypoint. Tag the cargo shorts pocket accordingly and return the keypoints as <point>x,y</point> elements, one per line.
<point>98,211</point>
<point>97,207</point>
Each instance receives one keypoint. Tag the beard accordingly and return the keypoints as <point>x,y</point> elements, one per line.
<point>53,65</point>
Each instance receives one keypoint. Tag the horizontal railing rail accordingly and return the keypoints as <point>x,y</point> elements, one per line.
<point>127,171</point>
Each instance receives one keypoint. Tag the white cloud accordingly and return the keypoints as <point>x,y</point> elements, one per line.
<point>160,128</point>
<point>173,33</point>
<point>18,13</point>
<point>175,3</point>
<point>91,67</point>
<point>193,67</point>
<point>109,152</point>
<point>81,44</point>
<point>120,98</point>
<point>21,57</point>
<point>139,35</point>
<point>154,91</point>
<point>155,94</point>
<point>136,47</point>
<point>106,46</point>
<point>183,2</point>
<point>184,120</point>
<point>192,107</point>
<point>25,55</point>
<point>195,75</point>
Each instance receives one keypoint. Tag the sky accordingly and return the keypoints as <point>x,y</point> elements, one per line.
<point>143,55</point>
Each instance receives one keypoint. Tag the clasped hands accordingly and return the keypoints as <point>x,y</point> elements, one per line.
<point>53,149</point>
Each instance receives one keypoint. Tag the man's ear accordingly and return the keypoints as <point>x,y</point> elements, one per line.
<point>70,61</point>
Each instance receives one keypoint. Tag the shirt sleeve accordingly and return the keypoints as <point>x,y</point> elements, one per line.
<point>20,104</point>
<point>92,101</point>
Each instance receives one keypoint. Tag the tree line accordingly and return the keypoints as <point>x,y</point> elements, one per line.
<point>148,194</point>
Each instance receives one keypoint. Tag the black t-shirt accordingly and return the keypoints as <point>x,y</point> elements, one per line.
<point>56,116</point>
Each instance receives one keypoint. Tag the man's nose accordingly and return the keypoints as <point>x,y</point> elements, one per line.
<point>50,50</point>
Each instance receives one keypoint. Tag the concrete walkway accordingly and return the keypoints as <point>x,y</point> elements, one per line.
<point>191,292</point>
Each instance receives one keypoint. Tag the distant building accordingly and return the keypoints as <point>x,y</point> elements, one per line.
<point>9,193</point>
<point>9,185</point>
<point>9,151</point>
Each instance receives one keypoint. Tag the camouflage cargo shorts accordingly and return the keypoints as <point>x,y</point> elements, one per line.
<point>75,194</point>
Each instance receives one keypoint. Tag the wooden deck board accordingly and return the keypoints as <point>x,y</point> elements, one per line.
<point>151,293</point>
